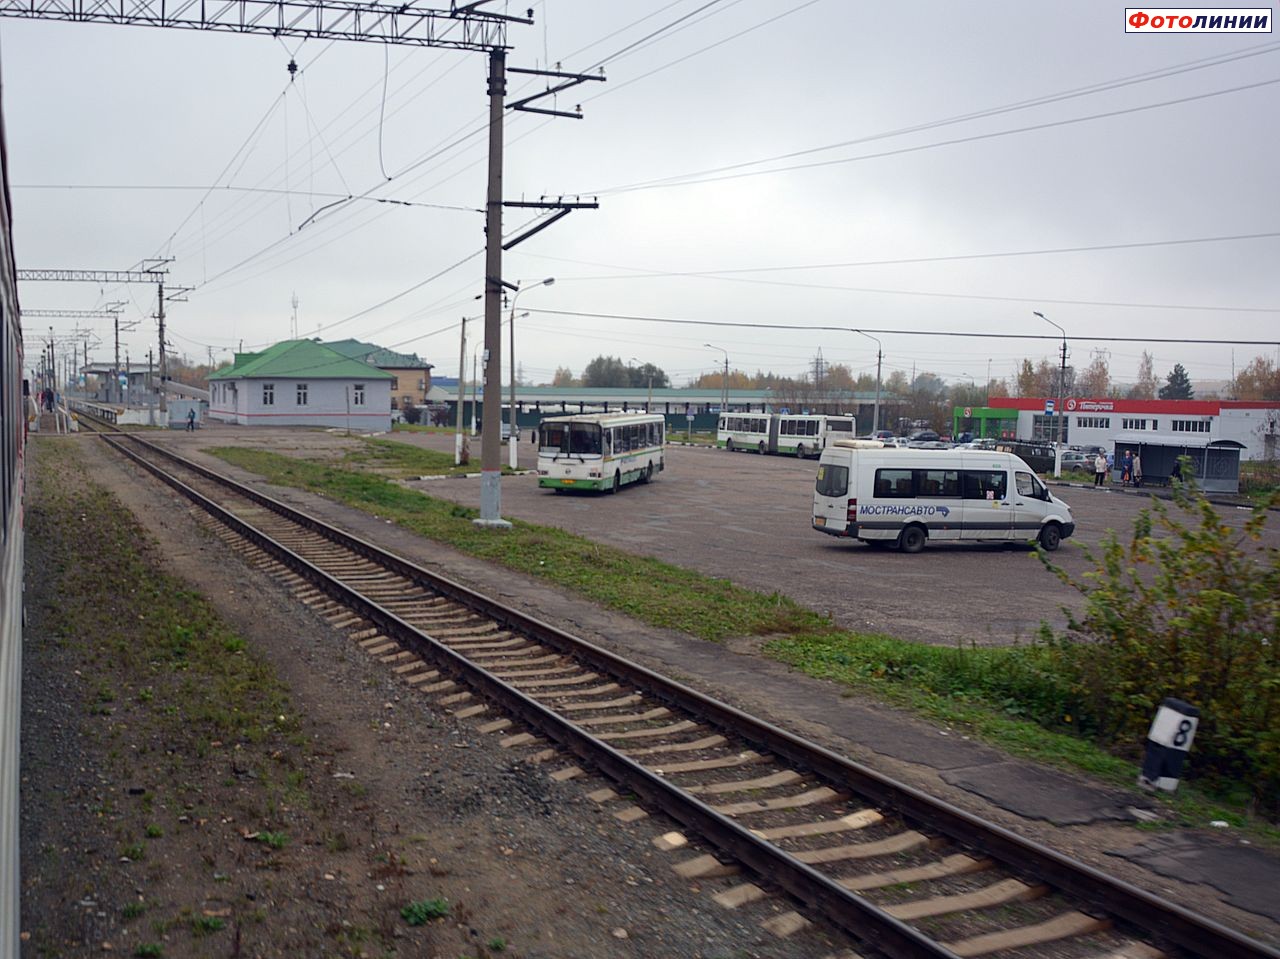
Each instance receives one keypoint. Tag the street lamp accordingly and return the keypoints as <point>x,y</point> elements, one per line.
<point>880,355</point>
<point>724,380</point>
<point>649,402</point>
<point>511,439</point>
<point>1062,385</point>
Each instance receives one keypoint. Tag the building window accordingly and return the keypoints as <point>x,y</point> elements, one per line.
<point>302,394</point>
<point>268,394</point>
<point>1093,422</point>
<point>422,385</point>
<point>357,395</point>
<point>1131,424</point>
<point>1191,426</point>
<point>1044,427</point>
<point>395,383</point>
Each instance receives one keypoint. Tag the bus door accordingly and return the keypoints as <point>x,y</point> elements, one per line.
<point>987,507</point>
<point>1028,505</point>
<point>938,492</point>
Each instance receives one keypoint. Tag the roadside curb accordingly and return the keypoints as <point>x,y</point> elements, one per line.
<point>449,476</point>
<point>1156,491</point>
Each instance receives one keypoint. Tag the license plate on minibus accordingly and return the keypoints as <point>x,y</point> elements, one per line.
<point>819,521</point>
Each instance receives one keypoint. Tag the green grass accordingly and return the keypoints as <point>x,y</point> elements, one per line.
<point>647,589</point>
<point>401,460</point>
<point>1004,695</point>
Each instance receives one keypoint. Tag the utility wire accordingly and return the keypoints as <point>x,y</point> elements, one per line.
<point>644,274</point>
<point>1030,128</point>
<point>1088,90</point>
<point>736,324</point>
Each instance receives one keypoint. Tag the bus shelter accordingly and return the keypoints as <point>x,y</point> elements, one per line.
<point>1216,463</point>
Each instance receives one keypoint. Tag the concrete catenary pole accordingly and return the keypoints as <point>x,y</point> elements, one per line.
<point>459,444</point>
<point>491,437</point>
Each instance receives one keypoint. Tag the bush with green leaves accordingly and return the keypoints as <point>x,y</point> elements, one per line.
<point>1187,606</point>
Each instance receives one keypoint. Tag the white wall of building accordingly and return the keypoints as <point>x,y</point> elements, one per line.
<point>1250,427</point>
<point>328,402</point>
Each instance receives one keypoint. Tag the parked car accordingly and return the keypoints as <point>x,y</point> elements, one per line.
<point>1073,460</point>
<point>397,416</point>
<point>924,436</point>
<point>882,434</point>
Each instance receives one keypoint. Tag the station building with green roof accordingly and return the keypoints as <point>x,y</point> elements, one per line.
<point>301,383</point>
<point>412,374</point>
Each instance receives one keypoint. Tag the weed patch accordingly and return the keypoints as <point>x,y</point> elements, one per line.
<point>424,911</point>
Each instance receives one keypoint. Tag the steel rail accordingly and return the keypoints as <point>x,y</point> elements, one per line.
<point>865,921</point>
<point>1165,922</point>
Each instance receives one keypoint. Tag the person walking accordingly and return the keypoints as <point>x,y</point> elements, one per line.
<point>1137,468</point>
<point>1099,470</point>
<point>1126,468</point>
<point>191,420</point>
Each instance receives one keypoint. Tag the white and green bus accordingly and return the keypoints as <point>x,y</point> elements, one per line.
<point>600,451</point>
<point>793,434</point>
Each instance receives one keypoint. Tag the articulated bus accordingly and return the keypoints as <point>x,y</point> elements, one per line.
<point>600,451</point>
<point>794,434</point>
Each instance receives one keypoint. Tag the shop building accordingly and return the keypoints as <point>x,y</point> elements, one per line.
<point>1104,422</point>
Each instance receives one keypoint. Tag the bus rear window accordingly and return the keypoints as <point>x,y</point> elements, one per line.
<point>832,480</point>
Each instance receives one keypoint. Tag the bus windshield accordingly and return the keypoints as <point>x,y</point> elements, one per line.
<point>571,439</point>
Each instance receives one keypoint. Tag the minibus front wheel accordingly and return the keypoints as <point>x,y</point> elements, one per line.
<point>912,539</point>
<point>1050,537</point>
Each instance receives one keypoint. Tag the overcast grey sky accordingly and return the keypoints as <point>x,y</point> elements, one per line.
<point>116,134</point>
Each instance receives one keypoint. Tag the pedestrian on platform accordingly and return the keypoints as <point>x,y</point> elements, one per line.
<point>191,420</point>
<point>1099,470</point>
<point>1126,468</point>
<point>1137,468</point>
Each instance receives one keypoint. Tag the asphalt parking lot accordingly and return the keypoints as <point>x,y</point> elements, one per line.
<point>746,518</point>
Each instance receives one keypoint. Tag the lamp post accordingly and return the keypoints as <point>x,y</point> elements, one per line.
<point>511,438</point>
<point>724,380</point>
<point>1062,385</point>
<point>875,415</point>
<point>649,402</point>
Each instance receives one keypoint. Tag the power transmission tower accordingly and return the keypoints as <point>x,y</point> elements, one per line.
<point>148,274</point>
<point>400,24</point>
<point>111,311</point>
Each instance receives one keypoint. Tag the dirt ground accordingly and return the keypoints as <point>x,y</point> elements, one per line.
<point>399,803</point>
<point>560,840</point>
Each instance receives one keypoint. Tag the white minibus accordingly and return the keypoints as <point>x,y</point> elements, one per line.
<point>908,497</point>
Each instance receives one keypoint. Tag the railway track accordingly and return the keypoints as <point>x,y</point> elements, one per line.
<point>904,874</point>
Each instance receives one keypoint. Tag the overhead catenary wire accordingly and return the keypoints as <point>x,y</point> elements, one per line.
<point>1061,96</point>
<point>829,328</point>
<point>938,144</point>
<point>900,261</point>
